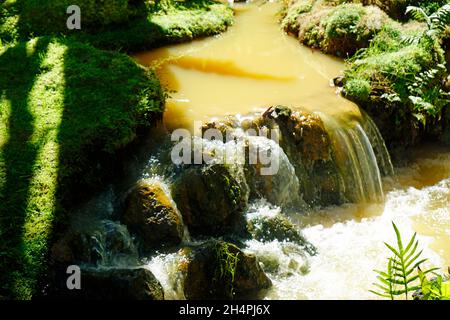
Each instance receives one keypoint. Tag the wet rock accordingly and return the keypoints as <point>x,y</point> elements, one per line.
<point>102,242</point>
<point>211,198</point>
<point>277,227</point>
<point>152,215</point>
<point>338,81</point>
<point>112,284</point>
<point>220,270</point>
<point>305,141</point>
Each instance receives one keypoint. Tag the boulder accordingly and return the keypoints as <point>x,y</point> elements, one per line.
<point>102,242</point>
<point>211,198</point>
<point>278,227</point>
<point>305,141</point>
<point>220,270</point>
<point>113,284</point>
<point>152,215</point>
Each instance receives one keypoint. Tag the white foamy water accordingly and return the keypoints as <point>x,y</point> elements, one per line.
<point>349,250</point>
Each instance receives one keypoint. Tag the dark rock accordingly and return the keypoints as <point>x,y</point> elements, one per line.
<point>305,141</point>
<point>152,215</point>
<point>278,227</point>
<point>339,81</point>
<point>220,270</point>
<point>211,198</point>
<point>112,284</point>
<point>102,242</point>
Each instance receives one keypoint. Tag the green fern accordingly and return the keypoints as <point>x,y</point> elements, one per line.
<point>436,23</point>
<point>434,289</point>
<point>400,278</point>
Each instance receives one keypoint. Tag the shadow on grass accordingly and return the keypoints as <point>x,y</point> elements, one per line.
<point>18,68</point>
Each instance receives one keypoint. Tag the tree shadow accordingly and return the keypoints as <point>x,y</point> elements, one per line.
<point>19,66</point>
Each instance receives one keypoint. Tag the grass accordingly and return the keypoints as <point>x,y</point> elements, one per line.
<point>58,138</point>
<point>138,27</point>
<point>67,110</point>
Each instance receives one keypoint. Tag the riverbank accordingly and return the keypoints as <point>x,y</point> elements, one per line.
<point>394,71</point>
<point>69,111</point>
<point>123,26</point>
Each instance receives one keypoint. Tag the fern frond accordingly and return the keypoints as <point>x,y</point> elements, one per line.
<point>441,18</point>
<point>418,14</point>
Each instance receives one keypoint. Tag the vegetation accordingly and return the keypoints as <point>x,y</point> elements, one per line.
<point>57,133</point>
<point>400,77</point>
<point>397,72</point>
<point>403,273</point>
<point>67,110</point>
<point>434,289</point>
<point>226,265</point>
<point>436,23</point>
<point>339,30</point>
<point>119,24</point>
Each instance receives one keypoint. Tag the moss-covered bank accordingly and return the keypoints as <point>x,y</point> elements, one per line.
<point>395,71</point>
<point>117,25</point>
<point>66,109</point>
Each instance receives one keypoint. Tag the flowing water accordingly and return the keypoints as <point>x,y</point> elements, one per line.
<point>255,65</point>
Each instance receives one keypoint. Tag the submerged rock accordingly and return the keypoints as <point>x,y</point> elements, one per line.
<point>102,242</point>
<point>277,227</point>
<point>220,270</point>
<point>112,284</point>
<point>152,215</point>
<point>211,198</point>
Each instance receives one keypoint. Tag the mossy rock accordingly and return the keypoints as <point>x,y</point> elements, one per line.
<point>341,30</point>
<point>401,86</point>
<point>305,141</point>
<point>125,25</point>
<point>152,215</point>
<point>220,270</point>
<point>119,284</point>
<point>211,198</point>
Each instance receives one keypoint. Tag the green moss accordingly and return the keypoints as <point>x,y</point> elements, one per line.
<point>226,264</point>
<point>358,88</point>
<point>402,82</point>
<point>121,24</point>
<point>65,110</point>
<point>292,12</point>
<point>232,190</point>
<point>341,30</point>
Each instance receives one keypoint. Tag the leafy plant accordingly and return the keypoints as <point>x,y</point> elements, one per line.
<point>434,289</point>
<point>436,22</point>
<point>427,98</point>
<point>400,279</point>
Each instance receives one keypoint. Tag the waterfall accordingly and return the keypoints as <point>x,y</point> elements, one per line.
<point>356,158</point>
<point>377,141</point>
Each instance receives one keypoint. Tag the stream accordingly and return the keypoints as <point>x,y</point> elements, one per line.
<point>255,65</point>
